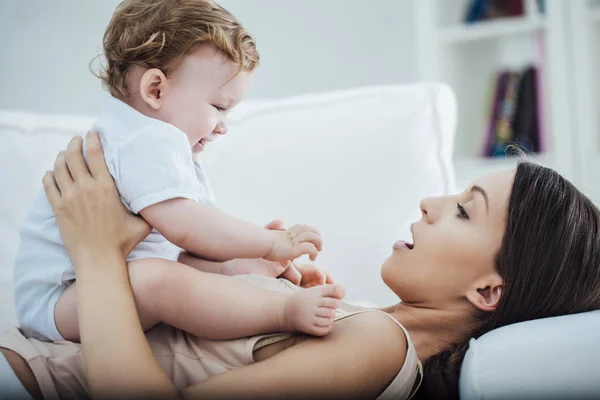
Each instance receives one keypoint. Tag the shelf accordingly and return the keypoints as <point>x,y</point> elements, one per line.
<point>595,14</point>
<point>493,29</point>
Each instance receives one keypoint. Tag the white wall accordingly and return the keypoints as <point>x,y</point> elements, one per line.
<point>306,46</point>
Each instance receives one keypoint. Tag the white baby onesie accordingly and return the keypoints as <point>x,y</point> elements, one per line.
<point>150,161</point>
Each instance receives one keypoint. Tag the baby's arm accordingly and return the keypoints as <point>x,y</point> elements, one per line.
<point>215,235</point>
<point>164,190</point>
<point>207,231</point>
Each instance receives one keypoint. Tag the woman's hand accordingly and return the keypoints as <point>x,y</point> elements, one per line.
<point>99,233</point>
<point>311,275</point>
<point>91,218</point>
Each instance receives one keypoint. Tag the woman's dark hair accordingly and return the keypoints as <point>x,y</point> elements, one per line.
<point>549,261</point>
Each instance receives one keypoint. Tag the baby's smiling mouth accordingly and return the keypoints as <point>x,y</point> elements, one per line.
<point>199,145</point>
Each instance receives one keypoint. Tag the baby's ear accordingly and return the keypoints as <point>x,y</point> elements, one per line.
<point>152,87</point>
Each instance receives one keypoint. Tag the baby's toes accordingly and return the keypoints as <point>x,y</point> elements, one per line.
<point>333,291</point>
<point>322,326</point>
<point>325,312</point>
<point>329,302</point>
<point>321,330</point>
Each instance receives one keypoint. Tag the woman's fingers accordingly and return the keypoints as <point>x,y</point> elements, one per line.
<point>292,274</point>
<point>328,278</point>
<point>52,192</point>
<point>313,275</point>
<point>95,156</point>
<point>63,178</point>
<point>75,161</point>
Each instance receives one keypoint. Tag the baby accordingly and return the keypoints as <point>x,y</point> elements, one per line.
<point>174,70</point>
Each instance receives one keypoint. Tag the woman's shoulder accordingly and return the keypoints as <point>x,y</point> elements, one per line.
<point>377,336</point>
<point>374,324</point>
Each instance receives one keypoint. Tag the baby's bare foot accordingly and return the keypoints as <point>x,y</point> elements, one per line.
<point>312,311</point>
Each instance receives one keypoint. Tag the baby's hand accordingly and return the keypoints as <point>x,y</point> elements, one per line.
<point>294,242</point>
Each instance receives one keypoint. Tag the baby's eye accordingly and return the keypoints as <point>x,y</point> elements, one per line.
<point>219,108</point>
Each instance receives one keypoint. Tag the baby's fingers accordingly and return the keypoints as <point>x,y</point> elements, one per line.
<point>303,228</point>
<point>308,248</point>
<point>310,237</point>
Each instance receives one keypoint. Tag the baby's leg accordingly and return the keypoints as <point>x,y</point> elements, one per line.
<point>214,306</point>
<point>65,315</point>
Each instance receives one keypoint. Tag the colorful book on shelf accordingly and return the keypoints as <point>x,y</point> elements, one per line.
<point>492,97</point>
<point>503,124</point>
<point>476,11</point>
<point>505,8</point>
<point>514,117</point>
<point>501,80</point>
<point>541,5</point>
<point>481,10</point>
<point>525,125</point>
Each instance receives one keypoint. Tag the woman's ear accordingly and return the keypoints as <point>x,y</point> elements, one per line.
<point>486,293</point>
<point>153,86</point>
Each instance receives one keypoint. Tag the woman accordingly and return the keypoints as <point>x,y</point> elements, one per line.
<point>511,248</point>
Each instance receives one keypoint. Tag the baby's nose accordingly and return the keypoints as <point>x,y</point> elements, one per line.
<point>220,129</point>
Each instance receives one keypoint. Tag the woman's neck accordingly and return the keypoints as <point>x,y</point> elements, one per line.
<point>432,330</point>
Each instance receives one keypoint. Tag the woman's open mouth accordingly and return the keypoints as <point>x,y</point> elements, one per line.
<point>401,244</point>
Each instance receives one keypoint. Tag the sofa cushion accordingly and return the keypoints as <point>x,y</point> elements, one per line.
<point>353,163</point>
<point>30,143</point>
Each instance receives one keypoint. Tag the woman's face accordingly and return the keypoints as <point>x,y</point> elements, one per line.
<point>455,243</point>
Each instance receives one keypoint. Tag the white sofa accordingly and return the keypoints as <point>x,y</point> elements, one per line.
<point>355,164</point>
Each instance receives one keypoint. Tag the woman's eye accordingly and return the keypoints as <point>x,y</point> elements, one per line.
<point>219,108</point>
<point>462,214</point>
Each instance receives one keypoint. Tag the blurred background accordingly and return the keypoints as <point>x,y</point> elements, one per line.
<point>524,71</point>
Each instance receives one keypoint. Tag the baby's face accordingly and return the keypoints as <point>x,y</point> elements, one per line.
<point>201,91</point>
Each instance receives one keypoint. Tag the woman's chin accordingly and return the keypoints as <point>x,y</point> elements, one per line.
<point>391,269</point>
<point>397,271</point>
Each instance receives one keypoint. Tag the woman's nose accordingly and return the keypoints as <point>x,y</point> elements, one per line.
<point>432,208</point>
<point>425,204</point>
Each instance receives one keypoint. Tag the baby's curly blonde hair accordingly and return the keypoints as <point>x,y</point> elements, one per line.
<point>158,33</point>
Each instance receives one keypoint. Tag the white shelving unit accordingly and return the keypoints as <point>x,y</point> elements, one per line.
<point>586,102</point>
<point>594,15</point>
<point>494,29</point>
<point>468,56</point>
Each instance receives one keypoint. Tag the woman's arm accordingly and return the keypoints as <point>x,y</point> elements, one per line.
<point>358,359</point>
<point>98,233</point>
<point>258,266</point>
